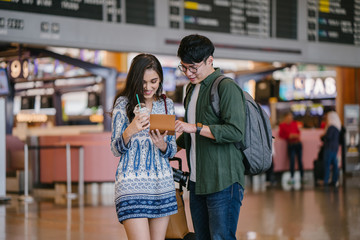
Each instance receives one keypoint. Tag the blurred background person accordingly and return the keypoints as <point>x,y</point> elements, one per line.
<point>289,131</point>
<point>331,146</point>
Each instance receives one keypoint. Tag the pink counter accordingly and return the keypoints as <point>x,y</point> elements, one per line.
<point>311,142</point>
<point>14,153</point>
<point>100,164</point>
<point>311,145</point>
<point>310,139</point>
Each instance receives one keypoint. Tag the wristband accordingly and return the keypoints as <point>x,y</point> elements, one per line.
<point>199,126</point>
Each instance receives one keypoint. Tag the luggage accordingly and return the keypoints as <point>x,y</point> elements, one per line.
<point>177,227</point>
<point>319,167</point>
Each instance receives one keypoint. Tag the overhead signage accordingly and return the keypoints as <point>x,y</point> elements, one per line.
<point>306,85</point>
<point>314,87</point>
<point>19,69</point>
<point>334,21</point>
<point>259,30</point>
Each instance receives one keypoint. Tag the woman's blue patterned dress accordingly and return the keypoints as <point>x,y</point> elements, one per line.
<point>144,184</point>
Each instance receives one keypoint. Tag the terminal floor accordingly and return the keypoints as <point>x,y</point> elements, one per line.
<point>309,213</point>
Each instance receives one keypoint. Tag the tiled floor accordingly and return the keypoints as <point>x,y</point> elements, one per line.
<point>309,213</point>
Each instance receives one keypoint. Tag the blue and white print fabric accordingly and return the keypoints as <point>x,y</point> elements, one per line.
<point>144,184</point>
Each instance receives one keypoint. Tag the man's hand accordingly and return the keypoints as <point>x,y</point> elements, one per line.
<point>181,127</point>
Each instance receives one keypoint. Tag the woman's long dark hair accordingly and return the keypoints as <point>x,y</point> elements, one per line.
<point>134,81</point>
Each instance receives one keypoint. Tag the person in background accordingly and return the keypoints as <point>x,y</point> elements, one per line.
<point>289,131</point>
<point>331,138</point>
<point>323,120</point>
<point>144,184</point>
<point>216,168</point>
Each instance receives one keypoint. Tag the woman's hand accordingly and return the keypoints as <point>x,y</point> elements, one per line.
<point>158,139</point>
<point>139,123</point>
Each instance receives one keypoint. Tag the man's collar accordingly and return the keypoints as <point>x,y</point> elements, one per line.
<point>209,79</point>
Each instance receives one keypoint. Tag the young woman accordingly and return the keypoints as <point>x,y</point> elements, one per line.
<point>331,146</point>
<point>144,185</point>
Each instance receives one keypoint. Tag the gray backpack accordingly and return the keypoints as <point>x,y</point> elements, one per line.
<point>257,144</point>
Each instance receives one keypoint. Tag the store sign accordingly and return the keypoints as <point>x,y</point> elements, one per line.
<point>31,118</point>
<point>19,69</point>
<point>314,87</point>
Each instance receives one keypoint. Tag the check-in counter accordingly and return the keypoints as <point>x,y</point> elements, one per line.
<point>100,164</point>
<point>14,153</point>
<point>311,143</point>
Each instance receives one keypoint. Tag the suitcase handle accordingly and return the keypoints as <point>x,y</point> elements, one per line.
<point>179,160</point>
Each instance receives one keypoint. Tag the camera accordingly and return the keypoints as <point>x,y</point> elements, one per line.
<point>180,176</point>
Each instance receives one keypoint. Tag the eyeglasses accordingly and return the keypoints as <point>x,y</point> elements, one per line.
<point>192,69</point>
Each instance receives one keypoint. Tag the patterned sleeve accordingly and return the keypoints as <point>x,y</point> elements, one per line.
<point>171,140</point>
<point>119,123</point>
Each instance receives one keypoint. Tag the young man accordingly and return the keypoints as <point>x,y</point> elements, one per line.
<point>216,168</point>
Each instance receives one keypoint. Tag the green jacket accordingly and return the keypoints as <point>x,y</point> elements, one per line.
<point>218,163</point>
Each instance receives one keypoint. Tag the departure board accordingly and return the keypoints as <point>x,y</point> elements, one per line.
<point>137,12</point>
<point>286,19</point>
<point>243,17</point>
<point>91,9</point>
<point>252,18</point>
<point>307,31</point>
<point>334,21</point>
<point>140,12</point>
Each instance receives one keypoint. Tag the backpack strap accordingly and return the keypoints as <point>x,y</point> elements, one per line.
<point>214,95</point>
<point>215,104</point>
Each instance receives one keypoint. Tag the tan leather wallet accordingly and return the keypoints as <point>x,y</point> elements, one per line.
<point>163,122</point>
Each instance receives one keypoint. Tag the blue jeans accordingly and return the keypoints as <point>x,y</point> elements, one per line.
<point>215,216</point>
<point>295,149</point>
<point>330,158</point>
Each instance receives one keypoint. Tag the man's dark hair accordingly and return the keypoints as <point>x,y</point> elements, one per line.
<point>195,48</point>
